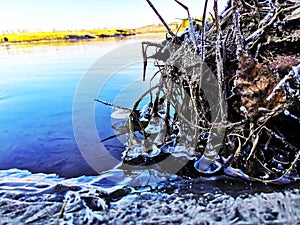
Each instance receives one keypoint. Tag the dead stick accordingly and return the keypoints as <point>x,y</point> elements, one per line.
<point>203,32</point>
<point>219,59</point>
<point>237,26</point>
<point>111,137</point>
<point>112,105</point>
<point>191,27</point>
<point>161,19</point>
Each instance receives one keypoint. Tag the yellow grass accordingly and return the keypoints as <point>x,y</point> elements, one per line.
<point>160,28</point>
<point>85,34</point>
<point>57,35</point>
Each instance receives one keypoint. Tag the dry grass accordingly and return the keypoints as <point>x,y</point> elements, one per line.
<point>84,34</point>
<point>61,35</point>
<point>160,28</point>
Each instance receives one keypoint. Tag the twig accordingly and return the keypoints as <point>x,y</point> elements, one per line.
<point>191,27</point>
<point>219,59</point>
<point>161,19</point>
<point>255,139</point>
<point>143,95</point>
<point>292,73</point>
<point>203,31</point>
<point>62,210</point>
<point>278,86</point>
<point>238,33</point>
<point>111,137</point>
<point>283,175</point>
<point>257,34</point>
<point>112,105</point>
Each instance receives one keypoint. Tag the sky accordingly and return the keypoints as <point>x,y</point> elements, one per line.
<point>45,15</point>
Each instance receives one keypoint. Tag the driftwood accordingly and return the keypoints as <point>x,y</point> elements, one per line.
<point>252,130</point>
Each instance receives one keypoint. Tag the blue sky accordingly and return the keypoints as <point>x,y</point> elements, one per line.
<point>86,14</point>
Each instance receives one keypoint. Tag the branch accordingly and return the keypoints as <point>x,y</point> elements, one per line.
<point>191,27</point>
<point>112,105</point>
<point>161,19</point>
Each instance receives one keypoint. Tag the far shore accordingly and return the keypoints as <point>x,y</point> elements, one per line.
<point>21,37</point>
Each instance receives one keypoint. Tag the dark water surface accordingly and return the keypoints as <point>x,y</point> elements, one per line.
<point>44,179</point>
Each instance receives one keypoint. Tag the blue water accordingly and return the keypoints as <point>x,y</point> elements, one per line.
<point>37,87</point>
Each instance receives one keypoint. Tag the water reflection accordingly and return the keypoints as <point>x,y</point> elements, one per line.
<point>37,86</point>
<point>7,49</point>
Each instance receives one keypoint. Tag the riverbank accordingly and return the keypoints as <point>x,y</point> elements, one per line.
<point>18,37</point>
<point>159,28</point>
<point>63,35</point>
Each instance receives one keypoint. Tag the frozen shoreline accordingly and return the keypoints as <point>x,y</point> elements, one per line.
<point>41,198</point>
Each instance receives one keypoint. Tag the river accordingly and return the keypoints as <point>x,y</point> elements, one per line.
<point>38,83</point>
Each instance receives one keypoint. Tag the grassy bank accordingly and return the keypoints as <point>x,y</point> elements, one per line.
<point>82,34</point>
<point>63,35</point>
<point>160,28</point>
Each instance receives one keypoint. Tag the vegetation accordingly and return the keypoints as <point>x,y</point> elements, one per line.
<point>63,35</point>
<point>159,28</point>
<point>237,113</point>
<point>17,37</point>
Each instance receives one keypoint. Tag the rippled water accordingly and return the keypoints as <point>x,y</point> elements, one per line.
<point>37,87</point>
<point>45,180</point>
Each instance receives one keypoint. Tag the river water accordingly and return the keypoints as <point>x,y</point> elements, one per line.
<point>38,83</point>
<point>45,178</point>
